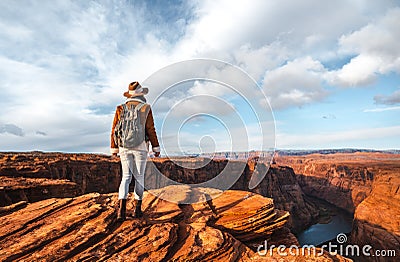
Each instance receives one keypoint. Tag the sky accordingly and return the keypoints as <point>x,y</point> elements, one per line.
<point>329,70</point>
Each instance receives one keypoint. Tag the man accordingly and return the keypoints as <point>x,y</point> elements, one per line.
<point>133,158</point>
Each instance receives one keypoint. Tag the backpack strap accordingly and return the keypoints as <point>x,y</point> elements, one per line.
<point>137,109</point>
<point>124,110</point>
<point>139,106</point>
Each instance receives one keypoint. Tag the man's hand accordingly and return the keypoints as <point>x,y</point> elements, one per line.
<point>157,154</point>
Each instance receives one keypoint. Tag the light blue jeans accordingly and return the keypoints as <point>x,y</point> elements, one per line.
<point>133,163</point>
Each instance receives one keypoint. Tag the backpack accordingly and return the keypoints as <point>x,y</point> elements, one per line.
<point>130,131</point>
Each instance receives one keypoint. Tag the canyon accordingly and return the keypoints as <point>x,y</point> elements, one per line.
<point>84,228</point>
<point>365,184</point>
<point>34,176</point>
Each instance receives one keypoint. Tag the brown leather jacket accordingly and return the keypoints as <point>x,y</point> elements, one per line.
<point>149,126</point>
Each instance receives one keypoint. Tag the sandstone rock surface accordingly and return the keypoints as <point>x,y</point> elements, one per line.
<point>281,185</point>
<point>342,179</point>
<point>100,173</point>
<point>15,189</point>
<point>377,218</point>
<point>362,183</point>
<point>366,184</point>
<point>90,172</point>
<point>84,228</point>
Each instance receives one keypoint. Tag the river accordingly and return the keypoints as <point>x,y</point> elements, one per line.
<point>316,234</point>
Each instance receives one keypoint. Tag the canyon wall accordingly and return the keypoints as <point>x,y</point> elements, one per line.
<point>341,179</point>
<point>377,218</point>
<point>366,184</point>
<point>77,174</point>
<point>228,228</point>
<point>281,185</point>
<point>91,172</point>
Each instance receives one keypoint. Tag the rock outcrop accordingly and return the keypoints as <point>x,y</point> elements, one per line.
<point>90,172</point>
<point>100,173</point>
<point>344,180</point>
<point>16,189</point>
<point>281,185</point>
<point>362,183</point>
<point>377,218</point>
<point>84,228</point>
<point>366,184</point>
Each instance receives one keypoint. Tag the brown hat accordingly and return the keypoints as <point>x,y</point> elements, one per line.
<point>135,89</point>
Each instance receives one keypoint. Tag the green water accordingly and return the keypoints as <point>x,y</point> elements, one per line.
<point>341,222</point>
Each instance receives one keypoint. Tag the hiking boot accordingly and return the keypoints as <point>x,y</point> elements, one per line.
<point>138,209</point>
<point>121,216</point>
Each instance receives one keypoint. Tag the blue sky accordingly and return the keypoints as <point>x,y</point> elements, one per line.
<point>331,70</point>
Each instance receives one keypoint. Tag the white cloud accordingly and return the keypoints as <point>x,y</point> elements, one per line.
<point>382,109</point>
<point>202,104</point>
<point>392,99</point>
<point>256,61</point>
<point>376,48</point>
<point>260,22</point>
<point>295,84</point>
<point>360,71</point>
<point>65,64</point>
<point>11,129</point>
<point>209,88</point>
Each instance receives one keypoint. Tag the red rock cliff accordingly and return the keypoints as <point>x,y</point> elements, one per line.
<point>366,184</point>
<point>377,218</point>
<point>226,228</point>
<point>88,173</point>
<point>344,180</point>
